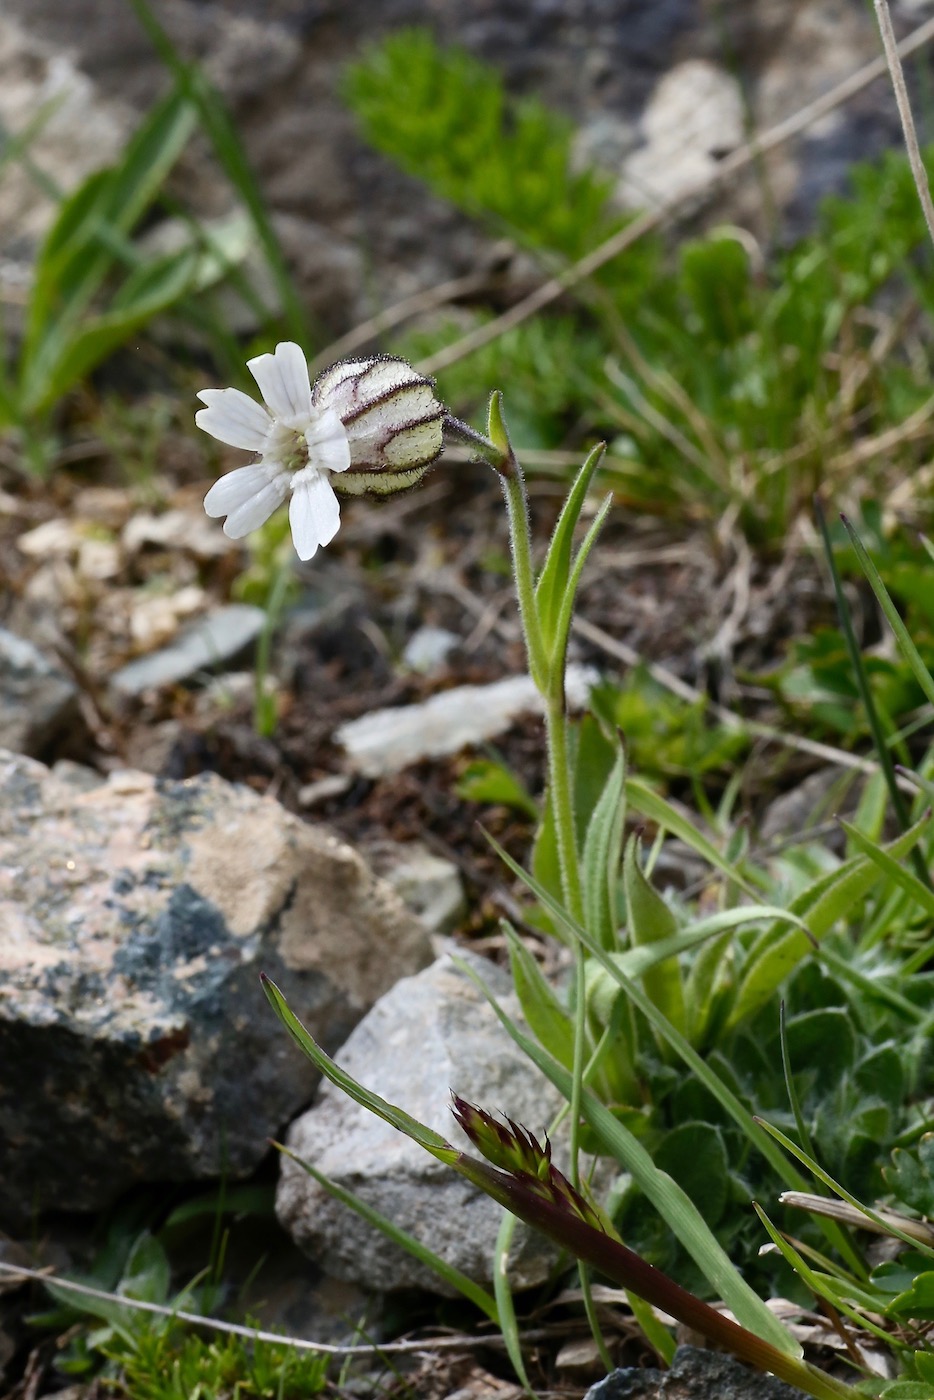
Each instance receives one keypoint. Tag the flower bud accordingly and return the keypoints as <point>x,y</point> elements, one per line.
<point>392,419</point>
<point>513,1149</point>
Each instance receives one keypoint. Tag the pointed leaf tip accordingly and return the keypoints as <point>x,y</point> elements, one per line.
<point>497,431</point>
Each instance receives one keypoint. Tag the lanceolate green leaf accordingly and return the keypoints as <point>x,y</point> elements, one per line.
<point>600,862</point>
<point>650,922</point>
<point>77,253</point>
<point>553,579</point>
<point>16,146</point>
<point>546,862</point>
<point>756,1336</point>
<point>542,1010</point>
<point>822,904</point>
<point>732,1105</point>
<point>151,290</point>
<point>636,961</point>
<point>193,84</point>
<point>704,980</point>
<point>566,613</point>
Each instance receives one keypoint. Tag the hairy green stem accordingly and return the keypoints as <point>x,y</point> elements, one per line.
<point>548,675</point>
<point>503,461</point>
<point>562,801</point>
<point>550,683</point>
<point>520,540</point>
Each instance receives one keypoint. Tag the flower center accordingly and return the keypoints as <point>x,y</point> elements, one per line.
<point>286,445</point>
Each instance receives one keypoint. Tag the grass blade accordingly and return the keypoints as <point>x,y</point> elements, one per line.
<point>905,645</point>
<point>885,1227</point>
<point>397,1117</point>
<point>879,738</point>
<point>508,1324</point>
<point>472,1291</point>
<point>664,814</point>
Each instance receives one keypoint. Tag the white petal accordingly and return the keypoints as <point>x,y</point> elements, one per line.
<point>235,489</point>
<point>314,512</point>
<point>328,445</point>
<point>233,418</point>
<point>283,380</point>
<point>252,513</point>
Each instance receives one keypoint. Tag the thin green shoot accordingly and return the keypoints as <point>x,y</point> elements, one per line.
<point>880,739</point>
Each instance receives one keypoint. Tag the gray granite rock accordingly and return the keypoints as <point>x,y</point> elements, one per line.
<point>695,1374</point>
<point>77,776</point>
<point>38,701</point>
<point>135,1040</point>
<point>694,117</point>
<point>427,884</point>
<point>221,636</point>
<point>432,1033</point>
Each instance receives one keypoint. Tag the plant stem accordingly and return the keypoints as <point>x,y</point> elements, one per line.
<point>897,74</point>
<point>484,445</point>
<point>559,773</point>
<point>264,711</point>
<point>559,782</point>
<point>879,738</point>
<point>548,675</point>
<point>550,683</point>
<point>516,502</point>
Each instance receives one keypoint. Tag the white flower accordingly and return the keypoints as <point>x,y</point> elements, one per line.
<point>372,425</point>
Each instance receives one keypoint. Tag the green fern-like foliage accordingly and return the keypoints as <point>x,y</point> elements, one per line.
<point>446,118</point>
<point>552,365</point>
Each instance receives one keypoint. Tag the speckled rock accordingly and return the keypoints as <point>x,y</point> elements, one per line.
<point>432,1033</point>
<point>38,701</point>
<point>695,1374</point>
<point>428,884</point>
<point>135,1040</point>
